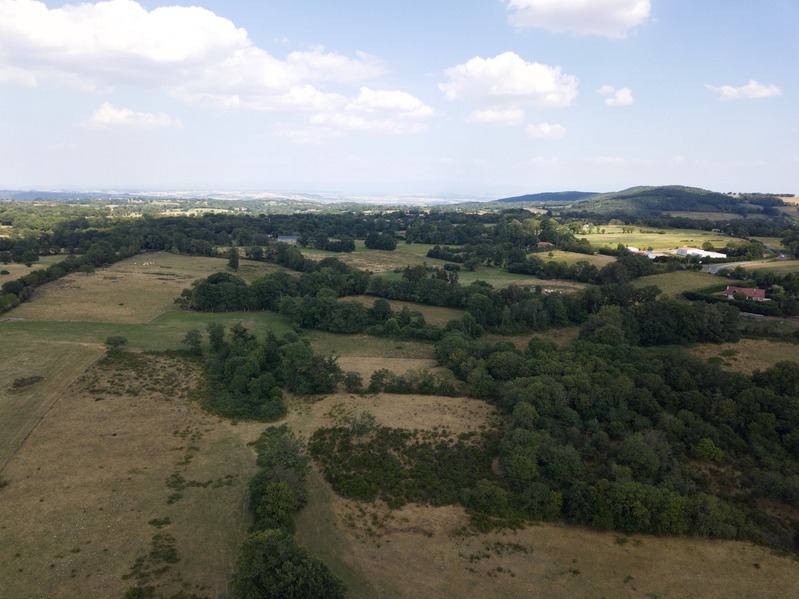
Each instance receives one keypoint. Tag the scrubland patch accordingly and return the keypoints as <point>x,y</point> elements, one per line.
<point>126,483</point>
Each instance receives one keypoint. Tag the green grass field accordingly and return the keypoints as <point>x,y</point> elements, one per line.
<point>657,239</point>
<point>674,283</point>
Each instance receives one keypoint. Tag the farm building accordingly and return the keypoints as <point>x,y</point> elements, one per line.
<point>288,238</point>
<point>751,293</point>
<point>689,251</point>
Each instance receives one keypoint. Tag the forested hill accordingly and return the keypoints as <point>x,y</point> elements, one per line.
<point>550,197</point>
<point>654,201</point>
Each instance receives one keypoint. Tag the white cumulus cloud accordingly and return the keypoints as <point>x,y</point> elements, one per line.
<point>753,89</point>
<point>608,18</point>
<point>545,131</point>
<point>401,103</point>
<point>616,97</point>
<point>498,116</point>
<point>188,52</point>
<point>109,115</point>
<point>509,79</point>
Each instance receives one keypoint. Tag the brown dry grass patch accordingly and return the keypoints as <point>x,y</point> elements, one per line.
<point>21,408</point>
<point>748,355</point>
<point>135,290</point>
<point>85,486</point>
<point>421,552</point>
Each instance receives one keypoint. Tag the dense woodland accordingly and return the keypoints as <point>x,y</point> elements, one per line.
<point>620,430</point>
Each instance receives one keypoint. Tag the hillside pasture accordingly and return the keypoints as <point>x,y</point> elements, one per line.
<point>16,270</point>
<point>674,283</point>
<point>657,239</point>
<point>775,266</point>
<point>598,260</point>
<point>710,215</point>
<point>135,290</point>
<point>124,483</point>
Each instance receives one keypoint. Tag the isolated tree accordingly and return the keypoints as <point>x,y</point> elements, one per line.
<point>115,343</point>
<point>233,259</point>
<point>193,340</point>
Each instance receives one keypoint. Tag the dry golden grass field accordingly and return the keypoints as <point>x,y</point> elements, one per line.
<point>135,290</point>
<point>123,460</point>
<point>122,479</point>
<point>748,355</point>
<point>422,552</point>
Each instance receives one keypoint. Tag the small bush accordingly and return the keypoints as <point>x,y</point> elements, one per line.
<point>27,381</point>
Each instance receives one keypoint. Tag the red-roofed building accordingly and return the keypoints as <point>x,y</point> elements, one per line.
<point>758,295</point>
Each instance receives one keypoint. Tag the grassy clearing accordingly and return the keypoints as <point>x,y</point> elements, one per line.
<point>117,293</point>
<point>674,283</point>
<point>432,314</point>
<point>359,346</point>
<point>597,260</point>
<point>163,333</point>
<point>500,278</point>
<point>658,239</point>
<point>16,270</point>
<point>21,408</point>
<point>748,355</point>
<point>381,261</point>
<point>89,492</point>
<point>709,215</point>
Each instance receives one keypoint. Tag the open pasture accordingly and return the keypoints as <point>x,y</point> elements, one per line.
<point>126,482</point>
<point>163,333</point>
<point>135,290</point>
<point>597,260</point>
<point>674,283</point>
<point>709,215</point>
<point>539,561</point>
<point>657,239</point>
<point>364,354</point>
<point>22,406</point>
<point>16,270</point>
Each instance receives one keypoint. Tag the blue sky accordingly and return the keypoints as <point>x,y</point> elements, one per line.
<point>469,97</point>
